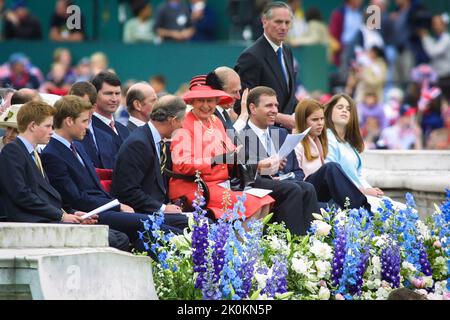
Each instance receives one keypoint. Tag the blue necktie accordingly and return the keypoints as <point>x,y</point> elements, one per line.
<point>280,60</point>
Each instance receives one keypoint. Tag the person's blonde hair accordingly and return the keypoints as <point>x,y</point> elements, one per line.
<point>36,111</point>
<point>303,110</point>
<point>352,131</point>
<point>69,107</point>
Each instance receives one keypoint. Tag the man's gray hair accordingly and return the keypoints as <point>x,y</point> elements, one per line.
<point>167,107</point>
<point>268,10</point>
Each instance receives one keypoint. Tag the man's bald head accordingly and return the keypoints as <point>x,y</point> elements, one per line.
<point>231,82</point>
<point>140,100</point>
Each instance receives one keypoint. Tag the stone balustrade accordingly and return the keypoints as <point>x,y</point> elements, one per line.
<point>424,173</point>
<point>56,261</point>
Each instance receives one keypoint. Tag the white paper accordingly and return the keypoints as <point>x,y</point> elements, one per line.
<point>257,192</point>
<point>104,207</point>
<point>292,140</point>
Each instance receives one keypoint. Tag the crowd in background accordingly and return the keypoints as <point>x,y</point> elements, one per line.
<point>399,75</point>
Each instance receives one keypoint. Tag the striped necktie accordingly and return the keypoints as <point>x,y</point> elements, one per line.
<point>162,155</point>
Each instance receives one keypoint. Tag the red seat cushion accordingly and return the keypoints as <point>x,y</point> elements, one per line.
<point>104,174</point>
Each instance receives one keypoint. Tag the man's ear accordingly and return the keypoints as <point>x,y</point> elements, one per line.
<point>136,105</point>
<point>252,108</point>
<point>31,126</point>
<point>69,121</point>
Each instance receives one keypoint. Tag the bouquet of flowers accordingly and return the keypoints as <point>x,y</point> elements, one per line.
<point>348,254</point>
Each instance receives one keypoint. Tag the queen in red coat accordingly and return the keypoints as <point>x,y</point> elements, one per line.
<point>195,147</point>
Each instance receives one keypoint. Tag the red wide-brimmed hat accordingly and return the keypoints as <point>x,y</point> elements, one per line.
<point>198,90</point>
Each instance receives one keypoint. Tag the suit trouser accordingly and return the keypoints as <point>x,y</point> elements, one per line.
<point>331,182</point>
<point>118,240</point>
<point>130,224</point>
<point>294,203</point>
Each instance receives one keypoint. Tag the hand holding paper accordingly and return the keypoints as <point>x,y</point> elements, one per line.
<point>292,140</point>
<point>104,207</point>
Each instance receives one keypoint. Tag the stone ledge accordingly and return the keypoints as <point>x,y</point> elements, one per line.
<point>46,235</point>
<point>430,181</point>
<point>411,160</point>
<point>87,273</point>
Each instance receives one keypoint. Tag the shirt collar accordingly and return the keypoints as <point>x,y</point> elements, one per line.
<point>155,133</point>
<point>136,121</point>
<point>64,141</point>
<point>27,144</point>
<point>273,45</point>
<point>104,119</point>
<point>259,132</point>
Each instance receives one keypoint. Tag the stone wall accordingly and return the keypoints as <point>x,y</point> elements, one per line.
<point>424,173</point>
<point>73,262</point>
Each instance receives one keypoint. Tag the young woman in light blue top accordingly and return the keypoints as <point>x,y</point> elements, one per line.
<point>344,140</point>
<point>345,144</point>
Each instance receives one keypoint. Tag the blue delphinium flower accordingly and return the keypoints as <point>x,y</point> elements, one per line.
<point>199,250</point>
<point>252,251</point>
<point>358,234</point>
<point>441,221</point>
<point>277,283</point>
<point>339,242</point>
<point>390,265</point>
<point>219,235</point>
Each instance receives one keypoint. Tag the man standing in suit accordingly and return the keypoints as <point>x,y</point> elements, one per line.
<point>269,62</point>
<point>296,200</point>
<point>73,175</point>
<point>137,178</point>
<point>25,190</point>
<point>101,153</point>
<point>140,100</point>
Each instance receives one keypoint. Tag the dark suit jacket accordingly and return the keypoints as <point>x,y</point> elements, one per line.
<point>137,179</point>
<point>131,126</point>
<point>121,129</point>
<point>258,66</point>
<point>104,154</point>
<point>78,185</point>
<point>255,151</point>
<point>25,194</point>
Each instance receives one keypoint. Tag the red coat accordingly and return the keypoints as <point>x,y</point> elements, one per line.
<point>194,152</point>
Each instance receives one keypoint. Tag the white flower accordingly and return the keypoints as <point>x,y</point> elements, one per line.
<point>374,284</point>
<point>408,266</point>
<point>321,250</point>
<point>277,244</point>
<point>380,241</point>
<point>383,293</point>
<point>311,286</point>
<point>324,293</point>
<point>323,268</point>
<point>423,230</point>
<point>322,228</point>
<point>376,263</point>
<point>301,265</point>
<point>262,279</point>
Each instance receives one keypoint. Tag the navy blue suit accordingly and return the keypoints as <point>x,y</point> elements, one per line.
<point>26,195</point>
<point>137,178</point>
<point>80,187</point>
<point>296,200</point>
<point>121,129</point>
<point>103,151</point>
<point>258,66</point>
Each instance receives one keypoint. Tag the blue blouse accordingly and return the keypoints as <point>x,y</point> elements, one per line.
<point>348,157</point>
